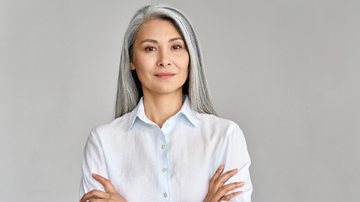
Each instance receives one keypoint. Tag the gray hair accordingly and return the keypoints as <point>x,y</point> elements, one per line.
<point>129,89</point>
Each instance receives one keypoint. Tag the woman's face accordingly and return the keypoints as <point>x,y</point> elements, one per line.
<point>160,58</point>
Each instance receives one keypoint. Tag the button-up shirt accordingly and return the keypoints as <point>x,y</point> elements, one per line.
<point>173,163</point>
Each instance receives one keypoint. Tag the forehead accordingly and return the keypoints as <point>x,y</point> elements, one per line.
<point>157,29</point>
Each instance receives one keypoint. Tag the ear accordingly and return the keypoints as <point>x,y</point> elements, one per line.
<point>132,66</point>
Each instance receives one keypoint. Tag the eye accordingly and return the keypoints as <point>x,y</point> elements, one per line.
<point>150,49</point>
<point>176,46</point>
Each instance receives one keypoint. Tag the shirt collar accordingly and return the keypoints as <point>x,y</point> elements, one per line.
<point>139,112</point>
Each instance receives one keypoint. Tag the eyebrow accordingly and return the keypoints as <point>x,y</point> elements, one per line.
<point>154,41</point>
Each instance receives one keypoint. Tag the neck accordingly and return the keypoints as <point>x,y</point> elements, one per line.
<point>160,107</point>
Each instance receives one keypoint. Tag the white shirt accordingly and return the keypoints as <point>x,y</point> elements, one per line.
<point>173,163</point>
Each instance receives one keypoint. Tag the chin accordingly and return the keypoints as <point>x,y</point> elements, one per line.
<point>164,88</point>
<point>167,90</point>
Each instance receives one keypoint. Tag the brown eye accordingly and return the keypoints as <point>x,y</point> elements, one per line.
<point>150,49</point>
<point>177,47</point>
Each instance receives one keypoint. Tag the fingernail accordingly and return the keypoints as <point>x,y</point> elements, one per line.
<point>94,175</point>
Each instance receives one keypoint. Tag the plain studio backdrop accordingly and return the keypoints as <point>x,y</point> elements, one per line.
<point>286,71</point>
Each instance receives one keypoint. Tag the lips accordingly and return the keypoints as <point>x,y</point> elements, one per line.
<point>164,75</point>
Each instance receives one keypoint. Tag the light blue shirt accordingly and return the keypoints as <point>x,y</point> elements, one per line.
<point>173,163</point>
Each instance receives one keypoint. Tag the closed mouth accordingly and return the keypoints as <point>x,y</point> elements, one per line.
<point>164,75</point>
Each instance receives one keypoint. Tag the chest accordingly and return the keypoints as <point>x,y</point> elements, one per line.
<point>176,168</point>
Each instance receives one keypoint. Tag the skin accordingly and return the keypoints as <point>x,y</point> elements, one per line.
<point>217,190</point>
<point>110,194</point>
<point>159,48</point>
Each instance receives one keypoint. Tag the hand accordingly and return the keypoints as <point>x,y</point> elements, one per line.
<point>110,194</point>
<point>217,189</point>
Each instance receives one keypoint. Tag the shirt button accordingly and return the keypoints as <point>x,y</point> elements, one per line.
<point>163,146</point>
<point>165,194</point>
<point>164,170</point>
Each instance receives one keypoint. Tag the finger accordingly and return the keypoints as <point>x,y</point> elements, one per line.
<point>226,176</point>
<point>217,173</point>
<point>94,194</point>
<point>230,196</point>
<point>109,188</point>
<point>229,187</point>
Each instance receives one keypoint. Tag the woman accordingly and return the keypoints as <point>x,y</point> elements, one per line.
<point>166,143</point>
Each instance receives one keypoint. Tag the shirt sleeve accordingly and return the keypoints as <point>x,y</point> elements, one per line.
<point>93,162</point>
<point>237,156</point>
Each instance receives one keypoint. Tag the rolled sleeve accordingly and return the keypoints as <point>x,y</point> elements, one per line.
<point>237,156</point>
<point>92,162</point>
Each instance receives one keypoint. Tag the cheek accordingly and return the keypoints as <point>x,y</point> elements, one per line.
<point>185,62</point>
<point>182,59</point>
<point>143,64</point>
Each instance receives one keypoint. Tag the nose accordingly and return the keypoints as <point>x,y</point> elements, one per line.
<point>164,64</point>
<point>164,59</point>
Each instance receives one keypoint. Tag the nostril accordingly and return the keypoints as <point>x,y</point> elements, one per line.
<point>161,64</point>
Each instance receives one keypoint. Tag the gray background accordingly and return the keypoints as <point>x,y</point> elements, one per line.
<point>286,71</point>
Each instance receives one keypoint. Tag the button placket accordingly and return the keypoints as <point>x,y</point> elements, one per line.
<point>163,170</point>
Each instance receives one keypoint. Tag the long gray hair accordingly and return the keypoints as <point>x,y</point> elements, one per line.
<point>129,89</point>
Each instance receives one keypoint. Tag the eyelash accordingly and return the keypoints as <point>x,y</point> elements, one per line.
<point>177,45</point>
<point>151,47</point>
<point>147,48</point>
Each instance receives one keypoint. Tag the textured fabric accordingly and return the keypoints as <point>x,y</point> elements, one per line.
<point>173,163</point>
